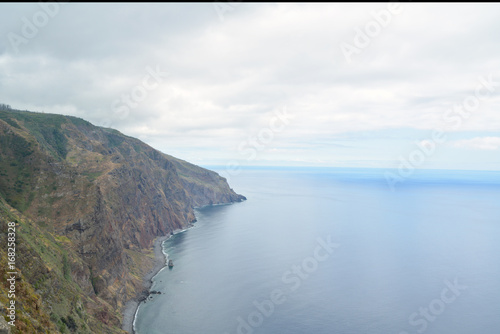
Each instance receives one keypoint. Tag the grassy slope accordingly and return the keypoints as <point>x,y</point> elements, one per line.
<point>47,299</point>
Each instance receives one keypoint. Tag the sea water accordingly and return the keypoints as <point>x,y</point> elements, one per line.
<point>336,251</point>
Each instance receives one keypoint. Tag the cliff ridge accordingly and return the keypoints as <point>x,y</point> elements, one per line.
<point>100,198</point>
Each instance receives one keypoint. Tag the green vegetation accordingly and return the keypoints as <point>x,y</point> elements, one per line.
<point>8,120</point>
<point>91,176</point>
<point>16,169</point>
<point>44,261</point>
<point>66,268</point>
<point>46,128</point>
<point>114,138</point>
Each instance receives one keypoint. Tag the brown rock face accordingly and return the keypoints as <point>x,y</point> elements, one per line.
<point>109,195</point>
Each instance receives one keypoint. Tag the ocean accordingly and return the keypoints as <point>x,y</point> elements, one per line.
<point>336,250</point>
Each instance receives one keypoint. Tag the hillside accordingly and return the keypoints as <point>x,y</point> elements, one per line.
<point>89,203</point>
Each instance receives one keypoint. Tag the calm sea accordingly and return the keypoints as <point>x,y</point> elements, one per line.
<point>337,251</point>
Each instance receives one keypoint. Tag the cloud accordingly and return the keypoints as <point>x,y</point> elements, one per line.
<point>226,78</point>
<point>478,143</point>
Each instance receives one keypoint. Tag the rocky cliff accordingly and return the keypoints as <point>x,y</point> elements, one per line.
<point>89,203</point>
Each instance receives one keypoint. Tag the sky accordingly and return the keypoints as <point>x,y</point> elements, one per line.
<point>235,84</point>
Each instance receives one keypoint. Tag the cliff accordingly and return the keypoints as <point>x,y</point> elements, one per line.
<point>89,203</point>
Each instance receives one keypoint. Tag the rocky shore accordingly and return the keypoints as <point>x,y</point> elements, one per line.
<point>132,305</point>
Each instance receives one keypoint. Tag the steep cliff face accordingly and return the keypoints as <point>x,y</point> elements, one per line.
<point>108,195</point>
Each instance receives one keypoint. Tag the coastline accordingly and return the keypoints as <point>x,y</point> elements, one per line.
<point>130,309</point>
<point>132,306</point>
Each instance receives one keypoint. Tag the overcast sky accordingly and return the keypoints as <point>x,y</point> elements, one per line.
<point>362,85</point>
